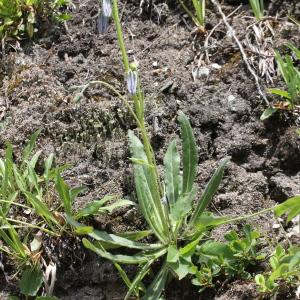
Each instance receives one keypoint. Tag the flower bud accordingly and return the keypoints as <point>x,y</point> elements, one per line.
<point>132,82</point>
<point>102,24</point>
<point>106,8</point>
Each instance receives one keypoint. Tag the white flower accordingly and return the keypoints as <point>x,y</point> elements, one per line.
<point>106,8</point>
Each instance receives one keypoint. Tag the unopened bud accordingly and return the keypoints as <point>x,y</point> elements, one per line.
<point>132,82</point>
<point>106,8</point>
<point>102,24</point>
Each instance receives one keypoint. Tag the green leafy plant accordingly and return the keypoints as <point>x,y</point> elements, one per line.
<point>230,258</point>
<point>176,221</point>
<point>20,18</point>
<point>67,196</point>
<point>25,192</point>
<point>291,76</point>
<point>199,7</point>
<point>285,266</point>
<point>257,8</point>
<point>22,189</point>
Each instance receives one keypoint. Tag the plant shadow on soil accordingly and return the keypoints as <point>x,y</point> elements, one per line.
<point>224,110</point>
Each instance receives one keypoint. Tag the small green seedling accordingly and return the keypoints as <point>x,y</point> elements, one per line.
<point>257,8</point>
<point>230,258</point>
<point>291,76</point>
<point>199,7</point>
<point>285,266</point>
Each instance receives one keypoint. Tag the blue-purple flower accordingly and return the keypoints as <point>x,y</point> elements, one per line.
<point>103,19</point>
<point>102,23</point>
<point>132,82</point>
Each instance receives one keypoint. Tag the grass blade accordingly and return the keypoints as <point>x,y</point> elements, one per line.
<point>63,191</point>
<point>155,289</point>
<point>137,280</point>
<point>30,146</point>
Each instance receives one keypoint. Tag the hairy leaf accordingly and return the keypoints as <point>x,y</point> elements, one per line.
<point>209,191</point>
<point>172,179</point>
<point>190,156</point>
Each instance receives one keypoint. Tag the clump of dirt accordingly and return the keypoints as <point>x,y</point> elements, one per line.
<point>223,106</point>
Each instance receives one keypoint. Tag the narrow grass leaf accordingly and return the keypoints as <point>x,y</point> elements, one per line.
<point>41,208</point>
<point>7,173</point>
<point>30,146</point>
<point>47,168</point>
<point>137,280</point>
<point>281,93</point>
<point>63,191</point>
<point>155,289</point>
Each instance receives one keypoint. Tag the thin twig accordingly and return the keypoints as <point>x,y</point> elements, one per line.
<point>212,31</point>
<point>232,33</point>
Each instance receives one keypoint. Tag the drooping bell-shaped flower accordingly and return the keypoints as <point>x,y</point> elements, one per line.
<point>106,8</point>
<point>102,23</point>
<point>132,82</point>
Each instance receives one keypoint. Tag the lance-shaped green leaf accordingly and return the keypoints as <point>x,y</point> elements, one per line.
<point>172,177</point>
<point>148,197</point>
<point>112,239</point>
<point>29,147</point>
<point>290,206</point>
<point>202,224</point>
<point>97,206</point>
<point>123,259</point>
<point>295,49</point>
<point>139,277</point>
<point>7,170</point>
<point>156,287</point>
<point>209,191</point>
<point>41,208</point>
<point>64,193</point>
<point>183,205</point>
<point>190,156</point>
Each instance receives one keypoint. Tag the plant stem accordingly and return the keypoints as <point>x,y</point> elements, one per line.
<point>32,226</point>
<point>16,204</point>
<point>138,99</point>
<point>115,13</point>
<point>249,216</point>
